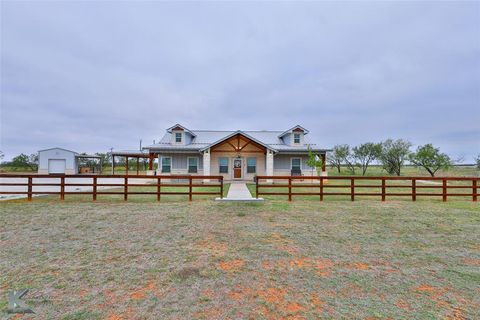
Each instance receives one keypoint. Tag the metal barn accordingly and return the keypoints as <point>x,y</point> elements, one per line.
<point>63,161</point>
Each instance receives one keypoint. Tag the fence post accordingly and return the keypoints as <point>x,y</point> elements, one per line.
<point>321,188</point>
<point>256,186</point>
<point>352,189</point>
<point>384,188</point>
<point>221,187</point>
<point>29,188</point>
<point>444,190</point>
<point>94,188</point>
<point>190,188</point>
<point>62,188</point>
<point>414,189</point>
<point>159,180</point>
<point>289,188</point>
<point>474,190</point>
<point>125,189</point>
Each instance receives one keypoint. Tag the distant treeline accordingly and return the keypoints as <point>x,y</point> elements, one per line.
<point>392,155</point>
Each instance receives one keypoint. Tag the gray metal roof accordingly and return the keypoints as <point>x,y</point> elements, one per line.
<point>293,128</point>
<point>129,152</point>
<point>58,149</point>
<point>205,138</point>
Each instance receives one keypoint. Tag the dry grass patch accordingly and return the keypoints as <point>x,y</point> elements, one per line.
<point>277,260</point>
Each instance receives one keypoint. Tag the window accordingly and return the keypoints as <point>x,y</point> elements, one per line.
<point>251,165</point>
<point>178,137</point>
<point>296,164</point>
<point>167,164</point>
<point>223,165</point>
<point>296,138</point>
<point>192,165</point>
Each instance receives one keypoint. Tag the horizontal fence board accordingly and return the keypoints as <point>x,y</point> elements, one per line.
<point>129,184</point>
<point>361,186</point>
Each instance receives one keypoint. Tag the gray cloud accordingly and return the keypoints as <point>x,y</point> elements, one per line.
<point>90,76</point>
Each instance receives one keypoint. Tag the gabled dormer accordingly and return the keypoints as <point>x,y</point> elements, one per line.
<point>294,136</point>
<point>180,135</point>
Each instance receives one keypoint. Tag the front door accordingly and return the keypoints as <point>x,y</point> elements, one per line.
<point>237,168</point>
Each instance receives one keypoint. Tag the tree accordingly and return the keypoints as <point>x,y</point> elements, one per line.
<point>351,162</point>
<point>393,155</point>
<point>106,158</point>
<point>430,158</point>
<point>365,153</point>
<point>338,156</point>
<point>314,161</point>
<point>25,161</point>
<point>478,161</point>
<point>1,155</point>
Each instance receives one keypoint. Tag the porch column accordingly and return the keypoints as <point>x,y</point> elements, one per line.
<point>159,171</point>
<point>324,165</point>
<point>151,156</point>
<point>269,165</point>
<point>206,164</point>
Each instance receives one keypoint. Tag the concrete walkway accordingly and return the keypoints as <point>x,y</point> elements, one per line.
<point>238,192</point>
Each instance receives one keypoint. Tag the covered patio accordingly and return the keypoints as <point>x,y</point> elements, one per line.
<point>133,154</point>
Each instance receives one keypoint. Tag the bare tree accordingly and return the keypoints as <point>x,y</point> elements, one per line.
<point>338,156</point>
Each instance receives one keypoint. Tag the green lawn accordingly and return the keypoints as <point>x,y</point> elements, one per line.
<point>207,260</point>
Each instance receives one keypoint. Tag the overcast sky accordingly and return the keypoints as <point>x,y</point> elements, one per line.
<point>89,76</point>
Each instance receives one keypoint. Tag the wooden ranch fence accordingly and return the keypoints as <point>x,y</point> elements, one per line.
<point>123,182</point>
<point>362,186</point>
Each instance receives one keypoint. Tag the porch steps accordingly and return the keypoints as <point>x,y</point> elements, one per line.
<point>239,192</point>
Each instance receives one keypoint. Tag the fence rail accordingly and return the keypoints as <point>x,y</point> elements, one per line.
<point>123,182</point>
<point>364,186</point>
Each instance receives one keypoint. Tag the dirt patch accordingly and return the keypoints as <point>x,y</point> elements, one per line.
<point>283,244</point>
<point>472,262</point>
<point>294,307</point>
<point>444,297</point>
<point>232,265</point>
<point>317,303</point>
<point>115,317</point>
<point>212,247</point>
<point>358,266</point>
<point>141,293</point>
<point>241,293</point>
<point>273,295</point>
<point>188,272</point>
<point>402,304</point>
<point>323,267</point>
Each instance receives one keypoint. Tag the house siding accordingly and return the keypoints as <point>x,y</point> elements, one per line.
<point>180,164</point>
<point>214,164</point>
<point>282,165</point>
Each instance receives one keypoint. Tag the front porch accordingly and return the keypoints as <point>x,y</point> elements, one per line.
<point>235,158</point>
